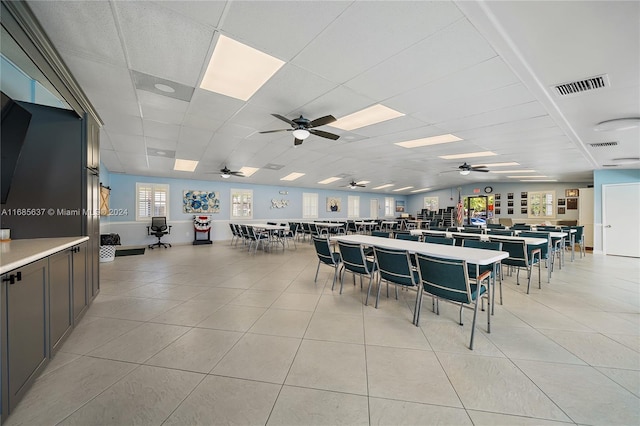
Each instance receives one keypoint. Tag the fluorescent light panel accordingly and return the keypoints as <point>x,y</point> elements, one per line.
<point>185,165</point>
<point>292,176</point>
<point>237,70</point>
<point>432,140</point>
<point>538,180</point>
<point>514,171</point>
<point>496,165</point>
<point>363,182</point>
<point>248,171</point>
<point>420,190</point>
<point>366,117</point>
<point>384,186</point>
<point>329,180</point>
<point>468,155</point>
<point>402,189</point>
<point>529,176</point>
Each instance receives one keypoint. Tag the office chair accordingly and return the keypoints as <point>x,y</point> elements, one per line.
<point>159,228</point>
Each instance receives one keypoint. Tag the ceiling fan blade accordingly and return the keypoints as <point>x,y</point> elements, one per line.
<point>239,174</point>
<point>279,130</point>
<point>285,119</point>
<point>479,170</point>
<point>322,121</point>
<point>297,142</point>
<point>324,134</point>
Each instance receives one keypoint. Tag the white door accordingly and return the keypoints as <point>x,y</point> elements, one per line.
<point>373,208</point>
<point>620,225</point>
<point>586,214</point>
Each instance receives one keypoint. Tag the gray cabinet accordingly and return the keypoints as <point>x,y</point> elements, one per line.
<point>24,323</point>
<point>60,297</point>
<point>80,284</point>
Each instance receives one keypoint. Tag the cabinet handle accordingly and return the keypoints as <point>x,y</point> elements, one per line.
<point>13,278</point>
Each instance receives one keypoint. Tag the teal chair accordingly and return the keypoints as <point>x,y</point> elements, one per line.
<point>406,236</point>
<point>486,245</point>
<point>439,240</point>
<point>504,232</point>
<point>545,250</point>
<point>326,256</point>
<point>521,257</point>
<point>394,266</point>
<point>383,234</point>
<point>355,261</point>
<point>448,280</point>
<point>579,239</point>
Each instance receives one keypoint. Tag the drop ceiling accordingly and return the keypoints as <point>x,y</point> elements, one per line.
<point>484,72</point>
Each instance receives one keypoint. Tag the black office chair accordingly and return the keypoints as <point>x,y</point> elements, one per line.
<point>159,228</point>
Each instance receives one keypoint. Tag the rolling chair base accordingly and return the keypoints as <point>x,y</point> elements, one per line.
<point>159,244</point>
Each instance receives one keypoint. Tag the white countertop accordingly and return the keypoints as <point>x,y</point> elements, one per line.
<point>17,253</point>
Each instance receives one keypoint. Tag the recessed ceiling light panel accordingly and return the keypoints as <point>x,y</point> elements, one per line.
<point>366,117</point>
<point>185,165</point>
<point>432,140</point>
<point>329,180</point>
<point>402,189</point>
<point>388,185</point>
<point>292,176</point>
<point>248,171</point>
<point>513,171</point>
<point>468,155</point>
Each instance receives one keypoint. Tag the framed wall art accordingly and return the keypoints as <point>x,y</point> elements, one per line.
<point>200,201</point>
<point>571,193</point>
<point>333,204</point>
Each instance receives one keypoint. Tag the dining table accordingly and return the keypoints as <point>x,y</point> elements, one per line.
<point>274,232</point>
<point>475,256</point>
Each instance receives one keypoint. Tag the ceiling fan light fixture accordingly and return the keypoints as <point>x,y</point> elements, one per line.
<point>225,175</point>
<point>301,134</point>
<point>465,172</point>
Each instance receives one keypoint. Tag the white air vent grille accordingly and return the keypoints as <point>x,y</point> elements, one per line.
<point>575,87</point>
<point>602,144</point>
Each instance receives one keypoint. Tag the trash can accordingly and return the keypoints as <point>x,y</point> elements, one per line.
<point>108,243</point>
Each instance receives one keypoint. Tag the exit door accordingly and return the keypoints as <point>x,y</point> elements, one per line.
<point>476,208</point>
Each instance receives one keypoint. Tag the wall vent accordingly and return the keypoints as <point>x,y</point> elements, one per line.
<point>602,144</point>
<point>575,87</point>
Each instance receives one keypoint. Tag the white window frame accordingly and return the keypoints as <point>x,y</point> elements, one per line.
<point>389,207</point>
<point>243,209</point>
<point>309,205</point>
<point>548,198</point>
<point>429,202</point>
<point>353,206</point>
<point>155,200</point>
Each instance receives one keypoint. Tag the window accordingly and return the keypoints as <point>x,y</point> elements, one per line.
<point>152,199</point>
<point>389,206</point>
<point>353,208</point>
<point>431,203</point>
<point>309,205</point>
<point>241,204</point>
<point>541,204</point>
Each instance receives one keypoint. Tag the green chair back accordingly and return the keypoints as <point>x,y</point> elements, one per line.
<point>395,266</point>
<point>407,237</point>
<point>439,240</point>
<point>353,258</point>
<point>445,278</point>
<point>380,234</point>
<point>323,250</point>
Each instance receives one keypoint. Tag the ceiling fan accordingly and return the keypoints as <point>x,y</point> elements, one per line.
<point>353,185</point>
<point>303,127</point>
<point>465,169</point>
<point>225,173</point>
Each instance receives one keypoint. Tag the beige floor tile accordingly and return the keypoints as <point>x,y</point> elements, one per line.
<point>59,359</point>
<point>225,400</point>
<point>336,327</point>
<point>628,379</point>
<point>141,343</point>
<point>481,418</point>
<point>183,292</point>
<point>233,318</point>
<point>89,336</point>
<point>496,385</point>
<point>198,350</point>
<point>219,295</point>
<point>585,394</point>
<point>188,313</point>
<point>299,406</point>
<point>408,375</point>
<point>397,332</point>
<point>256,298</point>
<point>297,301</point>
<point>270,283</point>
<point>282,322</point>
<point>399,413</point>
<point>57,395</point>
<point>259,357</point>
<point>141,309</point>
<point>330,366</point>
<point>596,349</point>
<point>449,336</point>
<point>146,396</point>
<point>527,343</point>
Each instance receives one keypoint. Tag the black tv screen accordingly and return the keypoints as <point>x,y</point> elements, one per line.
<point>15,122</point>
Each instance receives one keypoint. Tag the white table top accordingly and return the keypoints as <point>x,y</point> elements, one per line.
<point>366,223</point>
<point>268,227</point>
<point>471,255</point>
<point>328,224</point>
<point>532,241</point>
<point>389,222</point>
<point>17,253</point>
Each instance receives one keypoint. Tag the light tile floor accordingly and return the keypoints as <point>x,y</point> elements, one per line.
<point>214,335</point>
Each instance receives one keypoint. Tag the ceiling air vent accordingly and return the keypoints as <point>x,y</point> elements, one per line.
<point>575,87</point>
<point>602,144</point>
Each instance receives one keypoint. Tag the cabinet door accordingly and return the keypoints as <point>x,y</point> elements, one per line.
<point>60,312</point>
<point>26,329</point>
<point>79,280</point>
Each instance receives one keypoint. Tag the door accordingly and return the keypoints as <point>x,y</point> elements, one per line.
<point>373,208</point>
<point>586,215</point>
<point>476,207</point>
<point>620,226</point>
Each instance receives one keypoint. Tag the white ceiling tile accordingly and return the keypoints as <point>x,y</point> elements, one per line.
<point>220,107</point>
<point>205,12</point>
<point>119,123</point>
<point>202,121</point>
<point>128,144</point>
<point>162,43</point>
<point>194,136</point>
<point>86,28</point>
<point>133,163</point>
<point>155,129</point>
<point>492,118</point>
<point>110,160</point>
<point>161,144</point>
